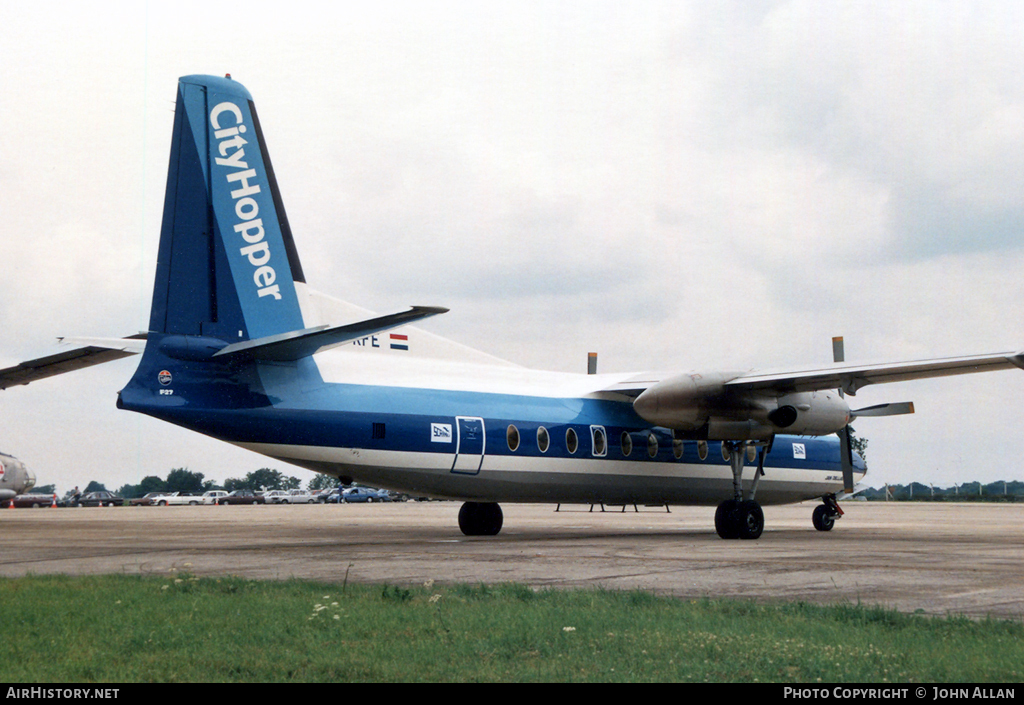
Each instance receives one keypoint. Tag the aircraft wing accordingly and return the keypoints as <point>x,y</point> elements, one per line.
<point>850,378</point>
<point>94,352</point>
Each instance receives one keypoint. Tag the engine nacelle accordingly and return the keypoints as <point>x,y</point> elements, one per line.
<point>684,402</point>
<point>702,405</point>
<point>810,413</point>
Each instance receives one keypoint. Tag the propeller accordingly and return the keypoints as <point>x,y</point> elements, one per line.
<point>845,448</point>
<point>897,409</point>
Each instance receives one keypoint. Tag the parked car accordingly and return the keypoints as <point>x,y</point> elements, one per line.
<point>360,494</point>
<point>212,496</point>
<point>31,500</point>
<point>330,496</point>
<point>178,498</point>
<point>241,497</point>
<point>147,500</point>
<point>321,495</point>
<point>274,496</point>
<point>296,497</point>
<point>100,499</point>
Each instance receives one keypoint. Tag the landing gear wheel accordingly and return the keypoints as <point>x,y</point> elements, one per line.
<point>480,519</point>
<point>751,520</point>
<point>726,523</point>
<point>822,518</point>
<point>739,520</point>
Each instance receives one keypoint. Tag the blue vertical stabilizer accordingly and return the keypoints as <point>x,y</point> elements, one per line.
<point>227,265</point>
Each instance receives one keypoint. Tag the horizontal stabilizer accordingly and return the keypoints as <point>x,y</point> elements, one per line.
<point>288,347</point>
<point>97,351</point>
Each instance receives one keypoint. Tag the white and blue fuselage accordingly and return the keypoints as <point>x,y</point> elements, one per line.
<point>413,412</point>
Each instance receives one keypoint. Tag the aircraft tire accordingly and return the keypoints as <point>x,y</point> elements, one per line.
<point>821,518</point>
<point>727,520</point>
<point>751,520</point>
<point>480,518</point>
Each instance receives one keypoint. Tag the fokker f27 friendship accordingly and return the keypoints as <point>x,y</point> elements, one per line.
<point>239,348</point>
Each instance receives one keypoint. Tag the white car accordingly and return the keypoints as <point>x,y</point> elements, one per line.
<point>274,496</point>
<point>177,498</point>
<point>212,496</point>
<point>296,497</point>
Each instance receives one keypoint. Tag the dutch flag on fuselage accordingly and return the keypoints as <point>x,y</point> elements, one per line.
<point>399,341</point>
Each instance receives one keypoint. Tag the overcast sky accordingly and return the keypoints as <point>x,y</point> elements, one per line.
<point>675,185</point>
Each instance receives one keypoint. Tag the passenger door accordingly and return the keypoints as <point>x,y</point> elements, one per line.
<point>470,443</point>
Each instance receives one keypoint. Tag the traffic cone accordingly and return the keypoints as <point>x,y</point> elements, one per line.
<point>54,504</point>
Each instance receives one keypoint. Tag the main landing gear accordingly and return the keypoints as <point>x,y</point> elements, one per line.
<point>740,518</point>
<point>480,518</point>
<point>826,513</point>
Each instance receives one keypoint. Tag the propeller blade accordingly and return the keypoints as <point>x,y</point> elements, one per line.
<point>896,409</point>
<point>838,350</point>
<point>846,458</point>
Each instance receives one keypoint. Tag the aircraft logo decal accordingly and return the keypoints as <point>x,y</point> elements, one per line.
<point>250,228</point>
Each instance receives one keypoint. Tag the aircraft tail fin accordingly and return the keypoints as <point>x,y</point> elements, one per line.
<point>227,263</point>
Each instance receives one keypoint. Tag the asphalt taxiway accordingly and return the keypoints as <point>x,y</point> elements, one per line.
<point>933,558</point>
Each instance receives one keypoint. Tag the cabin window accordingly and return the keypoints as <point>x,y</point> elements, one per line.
<point>627,444</point>
<point>726,455</point>
<point>702,450</point>
<point>677,448</point>
<point>543,439</point>
<point>513,437</point>
<point>652,445</point>
<point>599,442</point>
<point>571,442</point>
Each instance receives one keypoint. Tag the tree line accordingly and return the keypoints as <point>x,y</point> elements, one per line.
<point>188,481</point>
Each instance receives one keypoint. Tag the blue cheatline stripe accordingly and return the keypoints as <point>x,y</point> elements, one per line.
<point>357,414</point>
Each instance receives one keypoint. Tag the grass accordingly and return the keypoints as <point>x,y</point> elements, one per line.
<point>124,629</point>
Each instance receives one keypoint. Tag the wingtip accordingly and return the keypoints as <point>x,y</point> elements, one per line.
<point>430,309</point>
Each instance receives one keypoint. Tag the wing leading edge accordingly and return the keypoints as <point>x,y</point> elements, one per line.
<point>851,378</point>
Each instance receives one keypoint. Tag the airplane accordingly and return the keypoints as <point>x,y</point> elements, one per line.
<point>239,348</point>
<point>15,477</point>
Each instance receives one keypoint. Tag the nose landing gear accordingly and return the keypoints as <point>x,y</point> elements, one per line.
<point>826,513</point>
